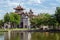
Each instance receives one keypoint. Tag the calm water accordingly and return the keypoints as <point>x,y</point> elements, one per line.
<point>29,36</point>
<point>1,36</point>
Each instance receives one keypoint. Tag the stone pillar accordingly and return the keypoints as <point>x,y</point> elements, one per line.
<point>28,24</point>
<point>24,23</point>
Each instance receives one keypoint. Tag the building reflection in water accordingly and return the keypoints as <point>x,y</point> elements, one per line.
<point>15,35</point>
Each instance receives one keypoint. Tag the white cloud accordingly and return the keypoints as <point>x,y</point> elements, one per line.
<point>10,4</point>
<point>35,1</point>
<point>47,11</point>
<point>37,11</point>
<point>58,1</point>
<point>2,13</point>
<point>1,10</point>
<point>13,3</point>
<point>54,4</point>
<point>1,16</point>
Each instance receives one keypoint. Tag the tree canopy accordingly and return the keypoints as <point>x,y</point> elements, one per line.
<point>13,18</point>
<point>57,14</point>
<point>6,17</point>
<point>43,19</point>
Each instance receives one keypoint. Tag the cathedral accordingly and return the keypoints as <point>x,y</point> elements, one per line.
<point>25,17</point>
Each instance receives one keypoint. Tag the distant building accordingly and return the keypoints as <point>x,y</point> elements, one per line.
<point>7,25</point>
<point>25,17</point>
<point>45,27</point>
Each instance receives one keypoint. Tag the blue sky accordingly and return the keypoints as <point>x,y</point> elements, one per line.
<point>38,6</point>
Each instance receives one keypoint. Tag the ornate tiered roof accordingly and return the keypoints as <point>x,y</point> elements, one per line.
<point>30,13</point>
<point>19,8</point>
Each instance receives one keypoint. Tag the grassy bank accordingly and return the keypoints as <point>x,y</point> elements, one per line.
<point>14,29</point>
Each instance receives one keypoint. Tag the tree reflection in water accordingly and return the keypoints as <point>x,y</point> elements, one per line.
<point>45,36</point>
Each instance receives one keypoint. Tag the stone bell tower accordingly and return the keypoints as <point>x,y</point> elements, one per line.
<point>25,23</point>
<point>20,11</point>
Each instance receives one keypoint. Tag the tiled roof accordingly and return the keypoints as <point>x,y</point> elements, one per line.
<point>19,8</point>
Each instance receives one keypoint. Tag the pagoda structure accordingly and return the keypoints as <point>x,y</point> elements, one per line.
<point>25,17</point>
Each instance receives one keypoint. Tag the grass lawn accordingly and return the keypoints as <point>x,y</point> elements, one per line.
<point>14,29</point>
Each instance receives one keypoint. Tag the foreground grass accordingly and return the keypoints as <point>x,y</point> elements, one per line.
<point>14,29</point>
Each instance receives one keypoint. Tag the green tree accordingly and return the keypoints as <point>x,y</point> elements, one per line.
<point>57,14</point>
<point>14,19</point>
<point>6,18</point>
<point>52,22</point>
<point>1,23</point>
<point>41,19</point>
<point>34,21</point>
<point>44,17</point>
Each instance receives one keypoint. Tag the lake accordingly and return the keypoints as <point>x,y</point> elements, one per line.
<point>15,35</point>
